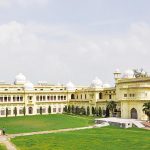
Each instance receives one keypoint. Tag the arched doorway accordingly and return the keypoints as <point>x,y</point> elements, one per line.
<point>134,114</point>
<point>30,110</point>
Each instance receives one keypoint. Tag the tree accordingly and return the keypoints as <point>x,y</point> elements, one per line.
<point>77,110</point>
<point>146,109</point>
<point>100,111</point>
<point>49,109</point>
<point>93,111</point>
<point>69,109</point>
<point>6,111</point>
<point>41,110</point>
<point>73,109</point>
<point>65,109</point>
<point>15,111</point>
<point>111,105</point>
<point>24,110</point>
<point>82,111</point>
<point>88,111</point>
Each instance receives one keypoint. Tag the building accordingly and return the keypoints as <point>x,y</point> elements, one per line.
<point>129,92</point>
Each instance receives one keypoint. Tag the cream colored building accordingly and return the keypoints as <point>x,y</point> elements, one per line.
<point>129,93</point>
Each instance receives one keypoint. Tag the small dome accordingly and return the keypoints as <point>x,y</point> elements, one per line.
<point>70,86</point>
<point>28,86</point>
<point>20,79</point>
<point>117,71</point>
<point>96,83</point>
<point>128,74</point>
<point>106,85</point>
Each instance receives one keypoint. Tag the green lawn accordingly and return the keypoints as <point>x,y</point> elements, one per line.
<point>42,123</point>
<point>107,138</point>
<point>2,147</point>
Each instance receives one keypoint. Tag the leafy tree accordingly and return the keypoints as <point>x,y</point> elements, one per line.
<point>146,109</point>
<point>69,109</point>
<point>96,111</point>
<point>41,110</point>
<point>111,105</point>
<point>93,111</point>
<point>49,109</point>
<point>82,111</point>
<point>100,111</point>
<point>24,110</point>
<point>77,110</point>
<point>88,111</point>
<point>65,109</point>
<point>73,109</point>
<point>15,111</point>
<point>6,111</point>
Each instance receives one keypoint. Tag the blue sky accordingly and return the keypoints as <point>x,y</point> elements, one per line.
<point>63,40</point>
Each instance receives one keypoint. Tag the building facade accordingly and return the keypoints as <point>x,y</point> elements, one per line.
<point>129,93</point>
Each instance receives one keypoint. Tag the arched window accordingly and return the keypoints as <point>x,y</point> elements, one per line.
<point>30,110</point>
<point>100,96</point>
<point>72,96</point>
<point>85,96</point>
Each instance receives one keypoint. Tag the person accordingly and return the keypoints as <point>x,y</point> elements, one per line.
<point>3,130</point>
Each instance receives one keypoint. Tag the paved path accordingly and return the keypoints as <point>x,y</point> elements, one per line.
<point>5,141</point>
<point>47,132</point>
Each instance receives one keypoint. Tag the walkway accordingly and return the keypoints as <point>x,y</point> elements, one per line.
<point>47,132</point>
<point>5,140</point>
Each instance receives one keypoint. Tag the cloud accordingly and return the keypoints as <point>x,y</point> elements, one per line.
<point>57,53</point>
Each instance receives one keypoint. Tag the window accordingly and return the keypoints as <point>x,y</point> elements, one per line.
<point>64,97</point>
<point>54,109</point>
<point>37,98</point>
<point>5,99</point>
<point>21,98</point>
<point>125,95</point>
<point>38,110</point>
<point>1,99</point>
<point>18,98</point>
<point>100,96</point>
<point>85,96</point>
<point>44,110</point>
<point>51,97</point>
<point>81,96</point>
<point>132,95</point>
<point>2,112</point>
<point>54,97</point>
<point>9,99</point>
<point>41,89</point>
<point>20,111</point>
<point>61,97</point>
<point>41,98</point>
<point>110,96</point>
<point>59,109</point>
<point>58,97</point>
<point>14,98</point>
<point>30,98</point>
<point>72,96</point>
<point>48,97</point>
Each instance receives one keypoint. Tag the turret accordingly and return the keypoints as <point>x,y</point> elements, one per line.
<point>117,75</point>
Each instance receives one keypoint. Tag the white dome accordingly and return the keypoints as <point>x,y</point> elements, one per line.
<point>96,83</point>
<point>128,74</point>
<point>106,85</point>
<point>117,71</point>
<point>20,79</point>
<point>28,86</point>
<point>70,86</point>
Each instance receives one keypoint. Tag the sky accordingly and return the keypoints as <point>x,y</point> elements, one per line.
<point>73,40</point>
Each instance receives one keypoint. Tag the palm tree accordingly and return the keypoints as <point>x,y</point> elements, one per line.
<point>111,105</point>
<point>146,109</point>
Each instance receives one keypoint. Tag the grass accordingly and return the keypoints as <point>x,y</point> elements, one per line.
<point>42,123</point>
<point>2,147</point>
<point>107,138</point>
